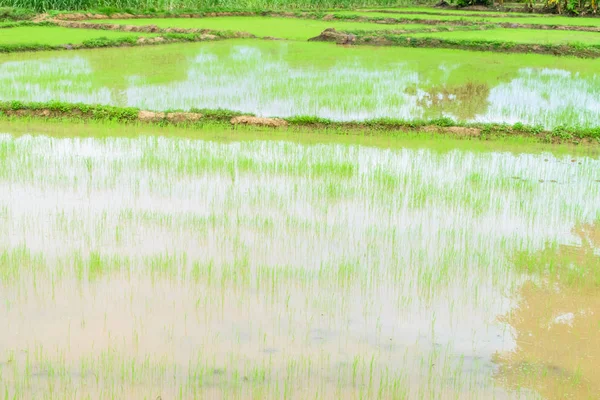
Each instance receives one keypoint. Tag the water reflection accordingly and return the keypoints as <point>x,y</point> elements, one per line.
<point>465,102</point>
<point>334,270</point>
<point>285,79</point>
<point>557,322</point>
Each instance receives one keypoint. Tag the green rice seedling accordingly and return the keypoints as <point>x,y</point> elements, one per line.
<point>274,79</point>
<point>324,268</point>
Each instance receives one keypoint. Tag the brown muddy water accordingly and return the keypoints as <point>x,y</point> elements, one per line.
<point>147,266</point>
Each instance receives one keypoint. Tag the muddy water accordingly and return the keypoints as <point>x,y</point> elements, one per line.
<point>557,323</point>
<point>294,78</point>
<point>148,266</point>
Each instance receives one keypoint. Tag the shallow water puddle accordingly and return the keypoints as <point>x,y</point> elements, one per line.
<point>557,322</point>
<point>151,266</point>
<point>317,79</point>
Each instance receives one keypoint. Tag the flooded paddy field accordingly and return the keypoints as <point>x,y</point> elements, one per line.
<point>283,28</point>
<point>477,18</point>
<point>408,255</point>
<point>518,36</point>
<point>215,263</point>
<point>443,11</point>
<point>272,78</point>
<point>53,35</point>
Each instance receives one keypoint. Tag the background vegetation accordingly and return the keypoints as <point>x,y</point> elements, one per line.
<point>43,5</point>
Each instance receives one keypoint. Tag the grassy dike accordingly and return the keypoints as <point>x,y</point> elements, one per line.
<point>581,50</point>
<point>66,38</point>
<point>199,117</point>
<point>424,40</point>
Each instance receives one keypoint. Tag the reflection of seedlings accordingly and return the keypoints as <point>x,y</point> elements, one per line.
<point>465,101</point>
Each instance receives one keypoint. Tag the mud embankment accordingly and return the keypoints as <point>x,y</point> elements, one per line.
<point>344,38</point>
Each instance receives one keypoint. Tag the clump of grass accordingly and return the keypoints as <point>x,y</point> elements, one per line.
<point>108,42</point>
<point>218,114</point>
<point>97,112</point>
<point>17,13</point>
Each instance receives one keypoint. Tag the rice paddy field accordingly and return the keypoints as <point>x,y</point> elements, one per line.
<point>518,36</point>
<point>284,79</point>
<point>284,28</point>
<point>57,35</point>
<point>387,248</point>
<point>486,17</point>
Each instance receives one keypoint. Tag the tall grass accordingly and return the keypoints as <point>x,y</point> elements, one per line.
<point>43,5</point>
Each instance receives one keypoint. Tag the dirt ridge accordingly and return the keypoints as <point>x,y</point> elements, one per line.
<point>327,17</point>
<point>344,38</point>
<point>258,121</point>
<point>209,33</point>
<point>374,127</point>
<point>145,116</point>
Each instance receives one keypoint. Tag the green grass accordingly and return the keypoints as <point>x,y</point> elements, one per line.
<point>441,11</point>
<point>554,20</point>
<point>531,36</point>
<point>375,127</point>
<point>57,35</point>
<point>286,28</point>
<point>16,14</point>
<point>217,131</point>
<point>381,15</point>
<point>44,5</point>
<point>538,20</point>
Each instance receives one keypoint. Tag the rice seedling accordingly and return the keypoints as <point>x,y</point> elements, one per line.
<point>379,260</point>
<point>143,262</point>
<point>279,79</point>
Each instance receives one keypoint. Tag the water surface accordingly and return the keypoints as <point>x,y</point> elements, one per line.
<point>318,79</point>
<point>146,266</point>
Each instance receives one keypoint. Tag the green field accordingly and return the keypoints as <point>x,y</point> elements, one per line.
<point>531,36</point>
<point>57,35</point>
<point>441,18</point>
<point>285,28</point>
<point>538,20</point>
<point>443,11</point>
<point>205,215</point>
